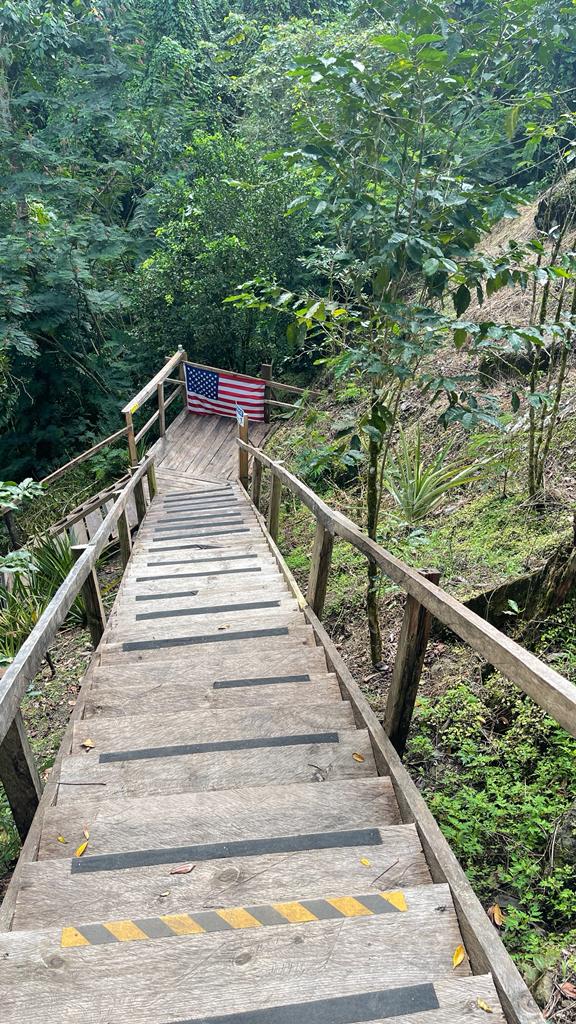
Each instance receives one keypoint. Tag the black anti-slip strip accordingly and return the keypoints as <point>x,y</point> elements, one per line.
<point>197,494</point>
<point>209,638</point>
<point>182,749</point>
<point>209,502</point>
<point>189,524</point>
<point>165,595</point>
<point>209,609</point>
<point>231,684</point>
<point>204,514</point>
<point>204,558</point>
<point>203,533</point>
<point>367,1006</point>
<point>219,851</point>
<point>193,575</point>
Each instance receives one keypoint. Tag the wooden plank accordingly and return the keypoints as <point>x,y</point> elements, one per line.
<point>165,728</point>
<point>51,895</point>
<point>266,374</point>
<point>242,454</point>
<point>274,507</point>
<point>256,483</point>
<point>95,613</point>
<point>19,776</point>
<point>149,389</point>
<point>147,426</point>
<point>108,701</point>
<point>408,665</point>
<point>84,777</point>
<point>261,812</point>
<point>319,568</point>
<point>553,692</point>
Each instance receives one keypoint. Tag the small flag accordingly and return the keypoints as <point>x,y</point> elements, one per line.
<point>210,393</point>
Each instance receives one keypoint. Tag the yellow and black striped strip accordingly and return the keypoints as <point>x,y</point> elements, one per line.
<point>334,908</point>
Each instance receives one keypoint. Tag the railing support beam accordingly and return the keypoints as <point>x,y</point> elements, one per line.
<point>266,374</point>
<point>19,776</point>
<point>319,569</point>
<point>256,483</point>
<point>274,506</point>
<point>93,600</point>
<point>408,666</point>
<point>242,453</point>
<point>125,538</point>
<point>161,410</point>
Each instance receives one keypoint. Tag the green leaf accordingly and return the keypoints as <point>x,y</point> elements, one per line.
<point>514,401</point>
<point>461,299</point>
<point>511,120</point>
<point>394,44</point>
<point>430,266</point>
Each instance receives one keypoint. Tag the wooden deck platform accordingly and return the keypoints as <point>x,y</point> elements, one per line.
<point>220,848</point>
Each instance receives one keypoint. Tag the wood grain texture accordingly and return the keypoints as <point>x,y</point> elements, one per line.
<point>50,895</point>
<point>221,816</point>
<point>224,972</point>
<point>83,777</point>
<point>164,728</point>
<point>19,776</point>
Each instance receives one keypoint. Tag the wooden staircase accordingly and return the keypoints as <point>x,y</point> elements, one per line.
<point>245,863</point>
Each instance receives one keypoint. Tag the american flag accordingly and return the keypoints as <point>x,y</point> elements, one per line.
<point>211,393</point>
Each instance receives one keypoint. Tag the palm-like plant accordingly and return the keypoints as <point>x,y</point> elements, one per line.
<point>417,488</point>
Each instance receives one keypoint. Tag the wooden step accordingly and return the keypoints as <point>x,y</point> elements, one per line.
<point>51,894</point>
<point>244,645</point>
<point>197,607</point>
<point>282,660</point>
<point>163,729</point>
<point>318,756</point>
<point>212,623</point>
<point>291,973</point>
<point>221,823</point>
<point>114,699</point>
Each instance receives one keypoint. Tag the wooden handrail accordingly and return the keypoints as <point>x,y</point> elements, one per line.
<point>553,692</point>
<point>149,389</point>
<point>85,455</point>
<point>29,658</point>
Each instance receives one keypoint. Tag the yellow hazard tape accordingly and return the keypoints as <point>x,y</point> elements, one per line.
<point>234,918</point>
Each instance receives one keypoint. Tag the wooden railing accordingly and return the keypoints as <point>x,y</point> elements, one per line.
<point>425,599</point>
<point>18,772</point>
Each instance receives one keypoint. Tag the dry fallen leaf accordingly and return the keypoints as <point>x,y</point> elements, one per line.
<point>61,839</point>
<point>496,915</point>
<point>81,849</point>
<point>358,757</point>
<point>184,869</point>
<point>568,990</point>
<point>162,895</point>
<point>88,744</point>
<point>484,1006</point>
<point>85,833</point>
<point>459,956</point>
<point>365,862</point>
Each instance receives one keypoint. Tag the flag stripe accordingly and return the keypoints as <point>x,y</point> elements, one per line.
<point>211,393</point>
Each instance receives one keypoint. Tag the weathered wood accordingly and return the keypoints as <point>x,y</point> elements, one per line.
<point>125,538</point>
<point>256,483</point>
<point>272,403</point>
<point>161,409</point>
<point>131,438</point>
<point>150,388</point>
<point>553,692</point>
<point>152,482</point>
<point>176,393</point>
<point>266,374</point>
<point>319,569</point>
<point>95,613</point>
<point>19,776</point>
<point>139,498</point>
<point>274,506</point>
<point>408,666</point>
<point>85,455</point>
<point>242,454</point>
<point>213,883</point>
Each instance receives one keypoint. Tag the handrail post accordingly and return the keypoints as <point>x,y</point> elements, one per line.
<point>266,374</point>
<point>274,506</point>
<point>93,599</point>
<point>256,482</point>
<point>242,453</point>
<point>319,568</point>
<point>19,776</point>
<point>182,374</point>
<point>152,482</point>
<point>161,409</point>
<point>139,498</point>
<point>408,665</point>
<point>125,538</point>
